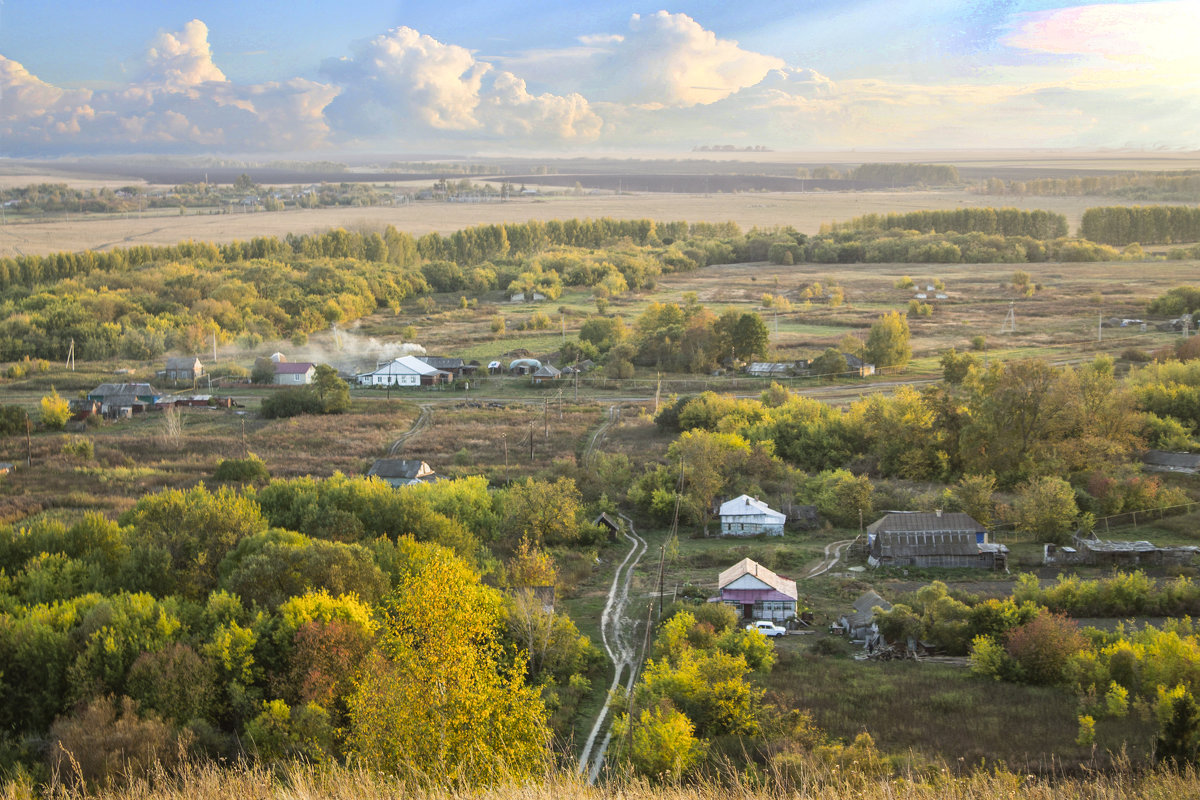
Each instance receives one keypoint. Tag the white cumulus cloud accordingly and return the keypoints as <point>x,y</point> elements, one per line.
<point>183,58</point>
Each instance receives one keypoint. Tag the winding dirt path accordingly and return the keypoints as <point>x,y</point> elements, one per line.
<point>420,424</point>
<point>833,552</point>
<point>614,414</point>
<point>616,634</point>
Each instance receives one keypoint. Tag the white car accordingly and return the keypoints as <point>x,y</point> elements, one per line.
<point>766,628</point>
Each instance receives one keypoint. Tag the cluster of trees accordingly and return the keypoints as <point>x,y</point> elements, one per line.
<point>314,619</point>
<point>1174,185</point>
<point>1036,224</point>
<point>1122,225</point>
<point>895,245</point>
<point>1145,671</point>
<point>907,174</point>
<point>671,337</point>
<point>327,394</point>
<point>1062,438</point>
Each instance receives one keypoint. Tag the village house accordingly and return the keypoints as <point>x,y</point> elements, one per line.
<point>932,539</point>
<point>757,592</point>
<point>297,373</point>
<point>546,372</point>
<point>402,472</point>
<point>860,625</point>
<point>403,371</point>
<point>748,516</point>
<point>857,366</point>
<point>524,366</point>
<point>113,397</point>
<point>183,369</point>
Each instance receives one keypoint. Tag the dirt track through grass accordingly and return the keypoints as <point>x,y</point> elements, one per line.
<point>616,634</point>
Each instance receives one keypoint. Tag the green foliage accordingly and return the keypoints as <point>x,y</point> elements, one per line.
<point>1001,221</point>
<point>250,469</point>
<point>840,495</point>
<point>888,342</point>
<point>1046,508</point>
<point>55,411</point>
<point>12,420</point>
<point>1176,302</point>
<point>662,745</point>
<point>281,734</point>
<point>1121,225</point>
<point>438,669</point>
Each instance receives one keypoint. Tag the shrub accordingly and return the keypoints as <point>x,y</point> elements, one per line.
<point>250,469</point>
<point>55,411</point>
<point>1042,648</point>
<point>80,447</point>
<point>106,743</point>
<point>291,402</point>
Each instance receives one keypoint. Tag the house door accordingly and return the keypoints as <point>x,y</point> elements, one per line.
<point>747,610</point>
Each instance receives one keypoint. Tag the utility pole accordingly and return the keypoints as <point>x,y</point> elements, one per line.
<point>504,438</point>
<point>71,356</point>
<point>546,417</point>
<point>28,443</point>
<point>531,440</point>
<point>214,347</point>
<point>662,557</point>
<point>1099,327</point>
<point>245,451</point>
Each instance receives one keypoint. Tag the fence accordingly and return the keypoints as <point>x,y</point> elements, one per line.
<point>1006,533</point>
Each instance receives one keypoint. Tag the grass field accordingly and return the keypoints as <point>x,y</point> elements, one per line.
<point>804,211</point>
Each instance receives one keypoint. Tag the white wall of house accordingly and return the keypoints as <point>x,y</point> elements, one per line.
<point>751,525</point>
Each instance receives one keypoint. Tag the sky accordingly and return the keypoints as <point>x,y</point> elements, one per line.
<point>317,79</point>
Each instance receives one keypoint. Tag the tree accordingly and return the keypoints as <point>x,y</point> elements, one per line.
<point>974,494</point>
<point>830,365</point>
<point>1046,507</point>
<point>662,746</point>
<point>708,461</point>
<point>437,703</point>
<point>541,511</point>
<point>888,341</point>
<point>55,411</point>
<point>332,392</point>
<point>1042,648</point>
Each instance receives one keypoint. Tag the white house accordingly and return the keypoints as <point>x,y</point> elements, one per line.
<point>403,371</point>
<point>747,516</point>
<point>757,592</point>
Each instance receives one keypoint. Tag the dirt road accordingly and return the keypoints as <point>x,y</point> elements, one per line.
<point>833,552</point>
<point>616,634</point>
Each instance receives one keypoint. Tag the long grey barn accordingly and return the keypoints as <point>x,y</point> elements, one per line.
<point>932,539</point>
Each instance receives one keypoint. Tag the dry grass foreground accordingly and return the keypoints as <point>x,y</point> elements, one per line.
<point>804,211</point>
<point>305,783</point>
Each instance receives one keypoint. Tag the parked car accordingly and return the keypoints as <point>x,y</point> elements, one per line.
<point>766,628</point>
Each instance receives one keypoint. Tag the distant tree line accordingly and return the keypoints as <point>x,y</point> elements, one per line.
<point>1122,225</point>
<point>1173,185</point>
<point>1037,224</point>
<point>907,174</point>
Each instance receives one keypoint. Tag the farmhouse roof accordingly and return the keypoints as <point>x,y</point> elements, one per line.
<point>854,362</point>
<point>547,371</point>
<point>925,522</point>
<point>182,362</point>
<point>745,505</point>
<point>406,468</point>
<point>293,367</point>
<point>439,362</point>
<point>1174,462</point>
<point>749,567</point>
<point>864,608</point>
<point>109,389</point>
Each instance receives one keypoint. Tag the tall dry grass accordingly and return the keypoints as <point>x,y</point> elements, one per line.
<point>301,782</point>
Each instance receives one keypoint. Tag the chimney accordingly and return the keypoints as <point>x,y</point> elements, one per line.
<point>938,511</point>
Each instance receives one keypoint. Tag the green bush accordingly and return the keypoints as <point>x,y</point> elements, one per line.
<point>250,469</point>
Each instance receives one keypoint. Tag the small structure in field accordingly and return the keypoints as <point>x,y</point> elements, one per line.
<point>932,539</point>
<point>757,592</point>
<point>455,366</point>
<point>613,526</point>
<point>524,366</point>
<point>1162,461</point>
<point>402,472</point>
<point>183,369</point>
<point>749,516</point>
<point>859,624</point>
<point>771,369</point>
<point>546,372</point>
<point>857,366</point>
<point>1093,551</point>
<point>297,373</point>
<point>6,467</point>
